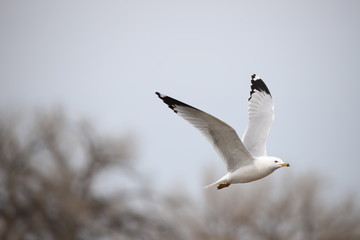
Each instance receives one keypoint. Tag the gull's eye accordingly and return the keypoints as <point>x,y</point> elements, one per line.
<point>276,161</point>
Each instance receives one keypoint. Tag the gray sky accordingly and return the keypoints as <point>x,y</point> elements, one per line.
<point>105,59</point>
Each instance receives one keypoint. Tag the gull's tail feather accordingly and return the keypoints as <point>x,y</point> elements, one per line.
<point>221,183</point>
<point>211,185</point>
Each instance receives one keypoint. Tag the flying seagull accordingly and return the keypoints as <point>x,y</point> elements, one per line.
<point>246,160</point>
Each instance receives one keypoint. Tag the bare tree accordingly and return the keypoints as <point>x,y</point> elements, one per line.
<point>48,171</point>
<point>294,208</point>
<point>52,173</point>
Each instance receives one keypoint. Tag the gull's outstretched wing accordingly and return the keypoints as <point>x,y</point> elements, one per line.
<point>261,117</point>
<point>223,137</point>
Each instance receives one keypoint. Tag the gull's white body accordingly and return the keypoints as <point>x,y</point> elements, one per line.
<point>246,160</point>
<point>248,173</point>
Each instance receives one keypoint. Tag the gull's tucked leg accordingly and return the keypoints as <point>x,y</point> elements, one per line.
<point>223,185</point>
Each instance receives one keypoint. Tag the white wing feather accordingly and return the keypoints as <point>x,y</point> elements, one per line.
<point>223,137</point>
<point>261,117</point>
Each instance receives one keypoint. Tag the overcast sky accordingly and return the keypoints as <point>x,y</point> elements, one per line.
<point>105,59</point>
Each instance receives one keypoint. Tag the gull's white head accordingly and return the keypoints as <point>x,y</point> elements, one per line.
<point>277,162</point>
<point>270,163</point>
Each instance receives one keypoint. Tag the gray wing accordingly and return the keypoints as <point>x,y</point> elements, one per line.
<point>223,137</point>
<point>261,117</point>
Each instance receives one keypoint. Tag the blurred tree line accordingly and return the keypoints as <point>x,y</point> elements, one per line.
<point>49,168</point>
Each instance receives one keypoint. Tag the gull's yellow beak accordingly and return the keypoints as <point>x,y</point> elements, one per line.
<point>285,165</point>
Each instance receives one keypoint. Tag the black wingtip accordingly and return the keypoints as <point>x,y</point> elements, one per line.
<point>259,85</point>
<point>168,100</point>
<point>159,95</point>
<point>172,103</point>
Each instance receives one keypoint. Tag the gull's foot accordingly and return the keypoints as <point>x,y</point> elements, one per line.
<point>223,185</point>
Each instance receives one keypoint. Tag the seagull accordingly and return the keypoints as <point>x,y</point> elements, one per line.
<point>246,159</point>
